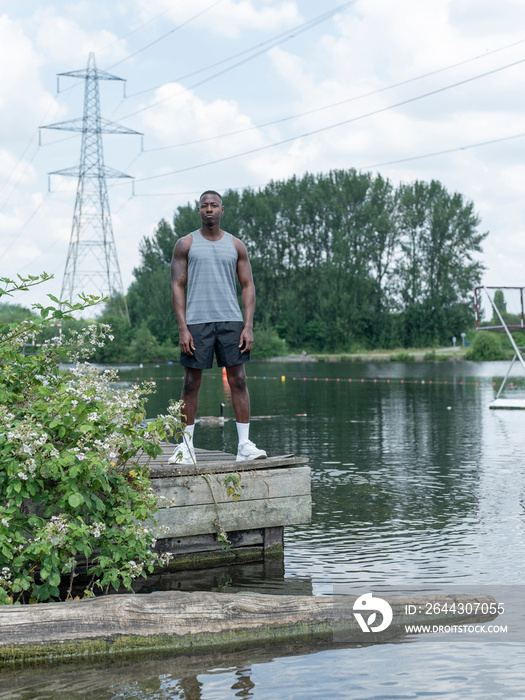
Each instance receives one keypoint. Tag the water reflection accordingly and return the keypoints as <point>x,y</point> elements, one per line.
<point>415,481</point>
<point>258,577</point>
<point>413,477</point>
<point>237,673</point>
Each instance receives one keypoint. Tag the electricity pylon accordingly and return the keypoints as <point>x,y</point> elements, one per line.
<point>92,264</point>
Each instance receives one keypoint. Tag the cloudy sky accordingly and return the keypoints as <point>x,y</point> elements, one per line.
<point>234,93</point>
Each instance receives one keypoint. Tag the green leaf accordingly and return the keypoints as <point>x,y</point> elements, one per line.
<point>75,500</point>
<point>54,579</point>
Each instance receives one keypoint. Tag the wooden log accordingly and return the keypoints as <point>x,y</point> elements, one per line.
<point>190,621</point>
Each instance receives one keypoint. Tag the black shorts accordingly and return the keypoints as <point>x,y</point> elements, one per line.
<point>221,338</point>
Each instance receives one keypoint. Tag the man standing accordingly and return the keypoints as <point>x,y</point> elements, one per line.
<point>204,268</point>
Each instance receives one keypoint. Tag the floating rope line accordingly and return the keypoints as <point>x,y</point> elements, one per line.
<point>349,380</point>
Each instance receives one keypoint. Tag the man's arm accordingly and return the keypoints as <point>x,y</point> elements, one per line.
<point>244,273</point>
<point>179,277</point>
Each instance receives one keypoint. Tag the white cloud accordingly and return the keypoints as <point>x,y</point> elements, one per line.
<point>22,96</point>
<point>64,42</point>
<point>366,48</point>
<point>182,116</point>
<point>228,18</point>
<point>484,17</point>
<point>19,171</point>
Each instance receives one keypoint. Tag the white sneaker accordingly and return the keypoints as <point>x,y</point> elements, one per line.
<point>183,454</point>
<point>248,450</point>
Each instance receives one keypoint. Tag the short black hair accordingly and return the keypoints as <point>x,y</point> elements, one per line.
<point>210,192</point>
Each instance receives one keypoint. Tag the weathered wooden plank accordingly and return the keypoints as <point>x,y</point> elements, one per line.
<point>273,539</point>
<point>201,455</point>
<point>240,515</point>
<point>189,621</point>
<point>160,467</point>
<point>254,485</point>
<point>208,542</point>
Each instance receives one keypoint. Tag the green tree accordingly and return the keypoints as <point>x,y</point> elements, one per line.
<point>117,349</point>
<point>437,268</point>
<point>485,347</point>
<point>149,296</point>
<point>339,260</point>
<point>501,304</point>
<point>13,313</point>
<point>499,301</point>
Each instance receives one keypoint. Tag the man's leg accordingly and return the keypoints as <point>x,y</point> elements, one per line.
<point>185,452</point>
<point>241,407</point>
<point>190,394</point>
<point>240,396</point>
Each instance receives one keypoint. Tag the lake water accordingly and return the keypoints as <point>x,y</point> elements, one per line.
<point>415,483</point>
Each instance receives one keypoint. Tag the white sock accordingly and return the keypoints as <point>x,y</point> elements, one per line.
<point>243,431</point>
<point>188,433</point>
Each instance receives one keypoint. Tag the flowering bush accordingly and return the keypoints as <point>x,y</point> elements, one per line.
<point>72,492</point>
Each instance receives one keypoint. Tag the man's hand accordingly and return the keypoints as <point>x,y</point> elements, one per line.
<point>186,342</point>
<point>246,339</point>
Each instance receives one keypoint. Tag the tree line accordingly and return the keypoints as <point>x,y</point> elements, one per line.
<point>341,261</point>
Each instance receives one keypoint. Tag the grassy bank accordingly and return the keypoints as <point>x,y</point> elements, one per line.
<point>397,355</point>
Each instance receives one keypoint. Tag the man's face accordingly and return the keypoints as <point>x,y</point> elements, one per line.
<point>210,209</point>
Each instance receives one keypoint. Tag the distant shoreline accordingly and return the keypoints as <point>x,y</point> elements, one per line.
<point>398,355</point>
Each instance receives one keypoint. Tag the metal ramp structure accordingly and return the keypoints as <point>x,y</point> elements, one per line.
<point>507,328</point>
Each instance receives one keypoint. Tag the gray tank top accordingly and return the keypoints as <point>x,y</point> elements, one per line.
<point>211,291</point>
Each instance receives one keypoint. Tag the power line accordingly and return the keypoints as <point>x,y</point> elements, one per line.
<point>273,39</point>
<point>137,29</point>
<point>19,161</point>
<point>197,192</point>
<point>445,151</point>
<point>334,104</point>
<point>364,167</point>
<point>11,179</point>
<point>27,221</point>
<point>171,31</point>
<point>313,132</point>
<point>124,204</point>
<point>41,255</point>
<point>276,41</point>
<point>50,110</point>
<point>75,85</point>
<point>117,41</point>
